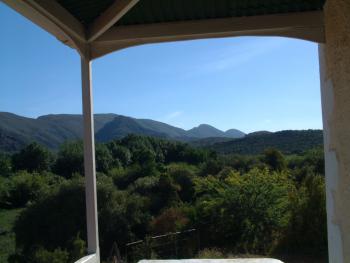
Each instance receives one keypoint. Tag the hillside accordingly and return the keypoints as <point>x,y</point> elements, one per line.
<point>207,131</point>
<point>49,130</point>
<point>121,126</point>
<point>54,129</point>
<point>288,142</point>
<point>234,133</point>
<point>206,142</point>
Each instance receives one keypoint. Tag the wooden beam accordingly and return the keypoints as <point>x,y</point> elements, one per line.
<point>60,16</point>
<point>108,18</point>
<point>53,18</point>
<point>304,25</point>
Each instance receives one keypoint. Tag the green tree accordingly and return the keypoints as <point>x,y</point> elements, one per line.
<point>182,174</point>
<point>274,159</point>
<point>56,221</point>
<point>24,187</point>
<point>5,165</point>
<point>104,159</point>
<point>33,157</point>
<point>306,232</point>
<point>120,152</point>
<point>70,159</point>
<point>243,213</point>
<point>56,256</point>
<point>170,220</point>
<point>77,248</point>
<point>166,193</point>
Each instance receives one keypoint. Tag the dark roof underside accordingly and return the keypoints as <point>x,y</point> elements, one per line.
<point>157,11</point>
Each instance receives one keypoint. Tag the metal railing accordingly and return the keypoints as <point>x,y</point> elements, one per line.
<point>174,245</point>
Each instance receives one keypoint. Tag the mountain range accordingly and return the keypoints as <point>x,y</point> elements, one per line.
<point>54,129</point>
<point>287,141</point>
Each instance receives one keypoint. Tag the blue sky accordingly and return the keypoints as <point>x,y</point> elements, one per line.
<point>247,83</point>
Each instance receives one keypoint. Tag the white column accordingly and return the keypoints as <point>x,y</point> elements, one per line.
<point>89,159</point>
<point>335,87</point>
<point>335,244</point>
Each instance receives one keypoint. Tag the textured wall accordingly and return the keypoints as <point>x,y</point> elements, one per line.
<point>337,78</point>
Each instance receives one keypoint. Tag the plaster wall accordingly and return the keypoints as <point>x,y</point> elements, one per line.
<point>335,87</point>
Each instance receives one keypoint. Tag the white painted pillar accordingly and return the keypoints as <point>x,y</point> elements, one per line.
<point>89,160</point>
<point>335,244</point>
<point>335,90</point>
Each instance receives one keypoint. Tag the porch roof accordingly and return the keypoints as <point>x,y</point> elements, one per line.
<point>161,11</point>
<point>98,27</point>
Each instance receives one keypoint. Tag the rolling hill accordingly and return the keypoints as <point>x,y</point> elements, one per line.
<point>206,131</point>
<point>54,129</point>
<point>288,142</point>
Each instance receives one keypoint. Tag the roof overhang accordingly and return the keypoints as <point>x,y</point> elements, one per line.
<point>107,32</point>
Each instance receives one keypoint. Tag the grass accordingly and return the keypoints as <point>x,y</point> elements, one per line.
<point>7,237</point>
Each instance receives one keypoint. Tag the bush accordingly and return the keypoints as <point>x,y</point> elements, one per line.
<point>70,159</point>
<point>24,187</point>
<point>251,210</point>
<point>274,159</point>
<point>56,256</point>
<point>306,232</point>
<point>120,153</point>
<point>5,165</point>
<point>171,220</point>
<point>182,174</point>
<point>56,221</point>
<point>210,253</point>
<point>147,186</point>
<point>33,157</point>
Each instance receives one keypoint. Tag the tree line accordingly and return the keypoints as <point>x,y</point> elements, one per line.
<point>267,204</point>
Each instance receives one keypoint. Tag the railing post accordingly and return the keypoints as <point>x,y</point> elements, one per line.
<point>89,160</point>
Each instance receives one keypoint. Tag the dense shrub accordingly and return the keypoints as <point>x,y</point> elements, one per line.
<point>170,220</point>
<point>104,159</point>
<point>251,210</point>
<point>24,187</point>
<point>274,159</point>
<point>264,204</point>
<point>307,228</point>
<point>5,165</point>
<point>70,159</point>
<point>33,157</point>
<point>210,253</point>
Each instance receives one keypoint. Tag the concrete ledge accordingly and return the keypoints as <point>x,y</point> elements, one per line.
<point>88,259</point>
<point>243,260</point>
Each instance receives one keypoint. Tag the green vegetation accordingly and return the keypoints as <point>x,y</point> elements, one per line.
<point>7,236</point>
<point>266,204</point>
<point>288,142</point>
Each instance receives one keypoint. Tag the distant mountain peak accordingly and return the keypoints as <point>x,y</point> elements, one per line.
<point>54,129</point>
<point>204,125</point>
<point>204,131</point>
<point>259,133</point>
<point>234,133</point>
<point>208,131</point>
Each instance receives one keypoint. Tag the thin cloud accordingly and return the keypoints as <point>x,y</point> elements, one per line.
<point>237,55</point>
<point>224,57</point>
<point>173,115</point>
